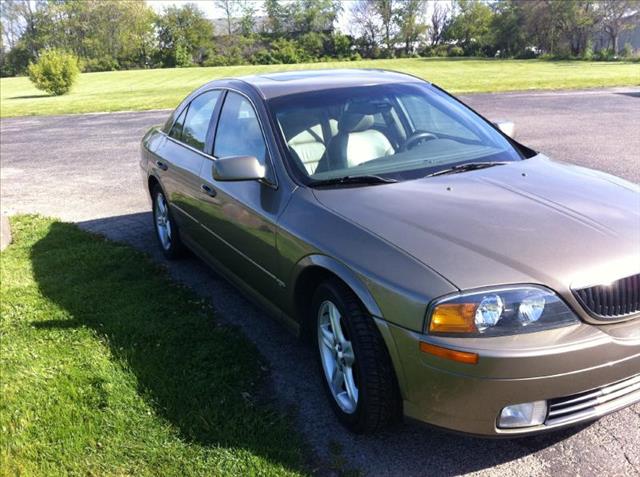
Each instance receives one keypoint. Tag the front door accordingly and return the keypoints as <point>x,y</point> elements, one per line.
<point>240,217</point>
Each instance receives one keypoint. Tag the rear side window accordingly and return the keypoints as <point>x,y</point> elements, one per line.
<point>176,130</point>
<point>239,132</point>
<point>196,123</point>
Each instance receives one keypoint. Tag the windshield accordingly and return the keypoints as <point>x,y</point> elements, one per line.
<point>399,131</point>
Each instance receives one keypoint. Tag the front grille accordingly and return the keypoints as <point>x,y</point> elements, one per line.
<point>591,403</point>
<point>610,302</point>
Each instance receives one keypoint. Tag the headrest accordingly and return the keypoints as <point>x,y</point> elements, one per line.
<point>354,122</point>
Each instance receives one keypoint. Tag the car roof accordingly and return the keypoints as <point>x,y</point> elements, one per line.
<point>272,85</point>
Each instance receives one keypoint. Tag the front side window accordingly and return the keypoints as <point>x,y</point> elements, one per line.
<point>196,123</point>
<point>239,132</point>
<point>400,131</point>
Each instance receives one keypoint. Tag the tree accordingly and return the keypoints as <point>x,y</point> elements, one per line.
<point>546,24</point>
<point>385,10</point>
<point>581,19</point>
<point>276,16</point>
<point>507,25</point>
<point>471,27</point>
<point>440,17</point>
<point>20,21</point>
<point>410,18</point>
<point>365,25</point>
<point>247,20</point>
<point>617,16</point>
<point>313,15</point>
<point>181,28</point>
<point>230,8</point>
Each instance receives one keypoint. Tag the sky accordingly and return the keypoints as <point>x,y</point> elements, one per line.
<point>207,6</point>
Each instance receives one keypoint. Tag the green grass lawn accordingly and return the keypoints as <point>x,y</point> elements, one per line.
<point>109,368</point>
<point>156,89</point>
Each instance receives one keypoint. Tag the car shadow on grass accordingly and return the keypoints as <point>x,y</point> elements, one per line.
<point>406,449</point>
<point>30,96</point>
<point>202,376</point>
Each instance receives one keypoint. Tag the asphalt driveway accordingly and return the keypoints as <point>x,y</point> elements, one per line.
<point>84,169</point>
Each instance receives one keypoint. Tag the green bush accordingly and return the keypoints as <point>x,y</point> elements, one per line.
<point>441,50</point>
<point>527,54</point>
<point>106,63</point>
<point>604,55</point>
<point>426,51</point>
<point>588,51</point>
<point>54,72</point>
<point>286,51</point>
<point>216,60</point>
<point>263,57</point>
<point>456,51</point>
<point>627,51</point>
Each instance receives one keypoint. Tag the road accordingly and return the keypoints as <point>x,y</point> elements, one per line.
<point>84,169</point>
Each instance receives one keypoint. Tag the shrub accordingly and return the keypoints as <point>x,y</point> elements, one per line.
<point>604,55</point>
<point>426,51</point>
<point>527,54</point>
<point>312,44</point>
<point>54,72</point>
<point>341,45</point>
<point>627,51</point>
<point>263,57</point>
<point>216,60</point>
<point>286,51</point>
<point>441,50</point>
<point>182,56</point>
<point>106,63</point>
<point>588,51</point>
<point>456,51</point>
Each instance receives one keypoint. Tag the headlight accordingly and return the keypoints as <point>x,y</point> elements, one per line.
<point>503,311</point>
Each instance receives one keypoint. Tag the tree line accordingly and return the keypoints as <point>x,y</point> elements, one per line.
<point>126,34</point>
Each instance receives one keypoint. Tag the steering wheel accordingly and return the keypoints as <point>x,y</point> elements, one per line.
<point>418,137</point>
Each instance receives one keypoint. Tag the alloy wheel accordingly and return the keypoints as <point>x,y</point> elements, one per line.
<point>337,357</point>
<point>163,222</point>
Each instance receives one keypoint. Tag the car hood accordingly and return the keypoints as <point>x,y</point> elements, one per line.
<point>530,221</point>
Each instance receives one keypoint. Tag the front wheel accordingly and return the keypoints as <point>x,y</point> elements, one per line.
<point>166,227</point>
<point>357,372</point>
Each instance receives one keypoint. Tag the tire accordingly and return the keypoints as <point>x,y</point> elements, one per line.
<point>377,403</point>
<point>166,228</point>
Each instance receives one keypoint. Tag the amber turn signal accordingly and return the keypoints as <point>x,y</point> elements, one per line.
<point>460,356</point>
<point>454,318</point>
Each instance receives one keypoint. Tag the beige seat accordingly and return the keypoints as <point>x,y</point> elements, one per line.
<point>309,145</point>
<point>356,141</point>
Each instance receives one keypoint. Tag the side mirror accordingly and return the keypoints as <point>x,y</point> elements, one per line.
<point>238,168</point>
<point>507,127</point>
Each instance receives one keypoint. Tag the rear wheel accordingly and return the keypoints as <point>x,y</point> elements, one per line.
<point>166,227</point>
<point>355,365</point>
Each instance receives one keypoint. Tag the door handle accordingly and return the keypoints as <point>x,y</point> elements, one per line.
<point>210,191</point>
<point>162,165</point>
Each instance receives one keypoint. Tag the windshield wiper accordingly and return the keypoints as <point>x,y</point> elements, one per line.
<point>366,179</point>
<point>467,166</point>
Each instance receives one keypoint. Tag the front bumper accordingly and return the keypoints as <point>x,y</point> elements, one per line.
<point>558,366</point>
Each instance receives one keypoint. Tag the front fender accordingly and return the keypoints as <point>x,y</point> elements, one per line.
<point>341,271</point>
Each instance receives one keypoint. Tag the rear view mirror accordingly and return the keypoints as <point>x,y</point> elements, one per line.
<point>507,127</point>
<point>238,168</point>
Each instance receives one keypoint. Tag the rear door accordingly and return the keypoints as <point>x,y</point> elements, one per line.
<point>181,155</point>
